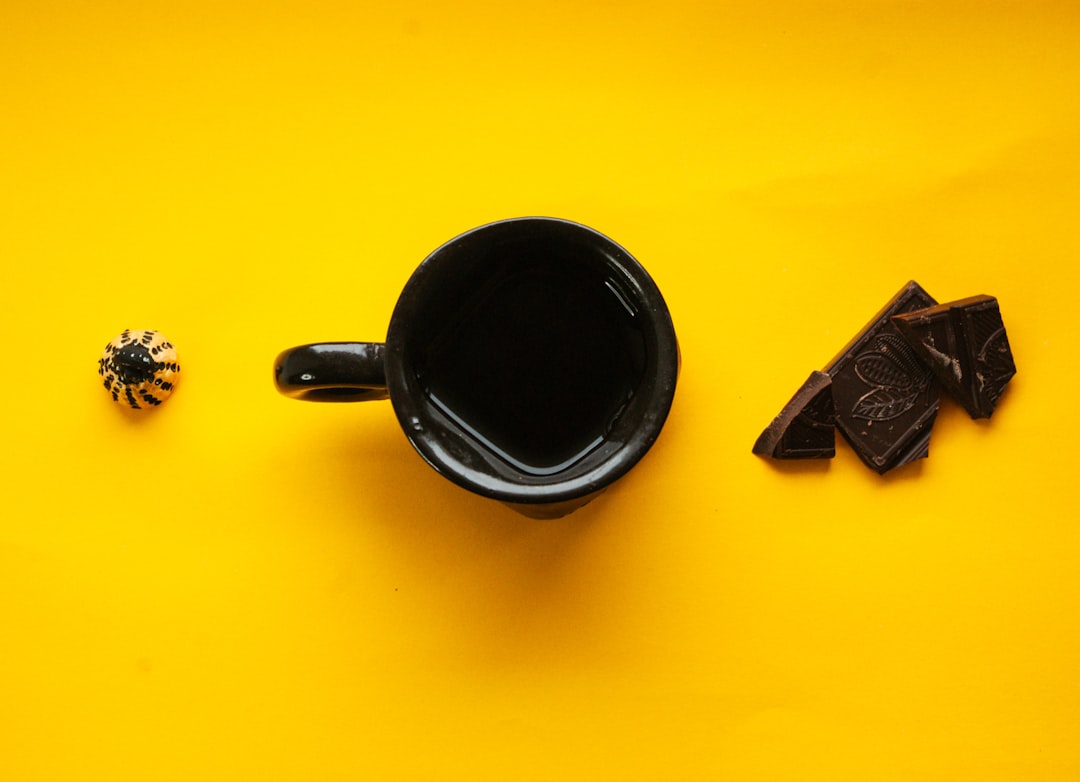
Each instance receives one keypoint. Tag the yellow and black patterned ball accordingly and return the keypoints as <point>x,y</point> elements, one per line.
<point>139,368</point>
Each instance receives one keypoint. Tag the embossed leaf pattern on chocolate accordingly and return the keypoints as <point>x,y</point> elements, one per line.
<point>995,352</point>
<point>995,366</point>
<point>890,363</point>
<point>883,404</point>
<point>896,378</point>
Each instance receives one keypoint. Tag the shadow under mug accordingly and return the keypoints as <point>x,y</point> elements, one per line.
<point>531,360</point>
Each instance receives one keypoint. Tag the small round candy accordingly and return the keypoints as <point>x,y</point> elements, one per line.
<point>139,368</point>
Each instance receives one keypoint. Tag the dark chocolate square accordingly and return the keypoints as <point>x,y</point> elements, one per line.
<point>965,344</point>
<point>886,398</point>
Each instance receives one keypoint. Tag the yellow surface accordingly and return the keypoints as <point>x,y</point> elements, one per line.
<point>240,586</point>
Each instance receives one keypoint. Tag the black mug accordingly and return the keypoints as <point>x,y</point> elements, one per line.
<point>530,360</point>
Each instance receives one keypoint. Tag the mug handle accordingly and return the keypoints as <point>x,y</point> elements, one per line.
<point>332,372</point>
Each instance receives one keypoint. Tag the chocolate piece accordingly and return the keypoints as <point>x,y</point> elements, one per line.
<point>886,398</point>
<point>965,344</point>
<point>806,427</point>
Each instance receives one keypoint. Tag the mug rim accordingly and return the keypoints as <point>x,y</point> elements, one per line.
<point>462,460</point>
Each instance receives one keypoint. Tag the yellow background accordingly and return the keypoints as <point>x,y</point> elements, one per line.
<point>239,586</point>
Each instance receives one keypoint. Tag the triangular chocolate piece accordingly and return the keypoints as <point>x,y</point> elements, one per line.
<point>806,427</point>
<point>964,342</point>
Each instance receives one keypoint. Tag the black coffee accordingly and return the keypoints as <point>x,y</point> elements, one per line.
<point>538,360</point>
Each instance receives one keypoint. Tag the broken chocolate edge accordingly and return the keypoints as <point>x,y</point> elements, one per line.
<point>958,311</point>
<point>769,441</point>
<point>909,291</point>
